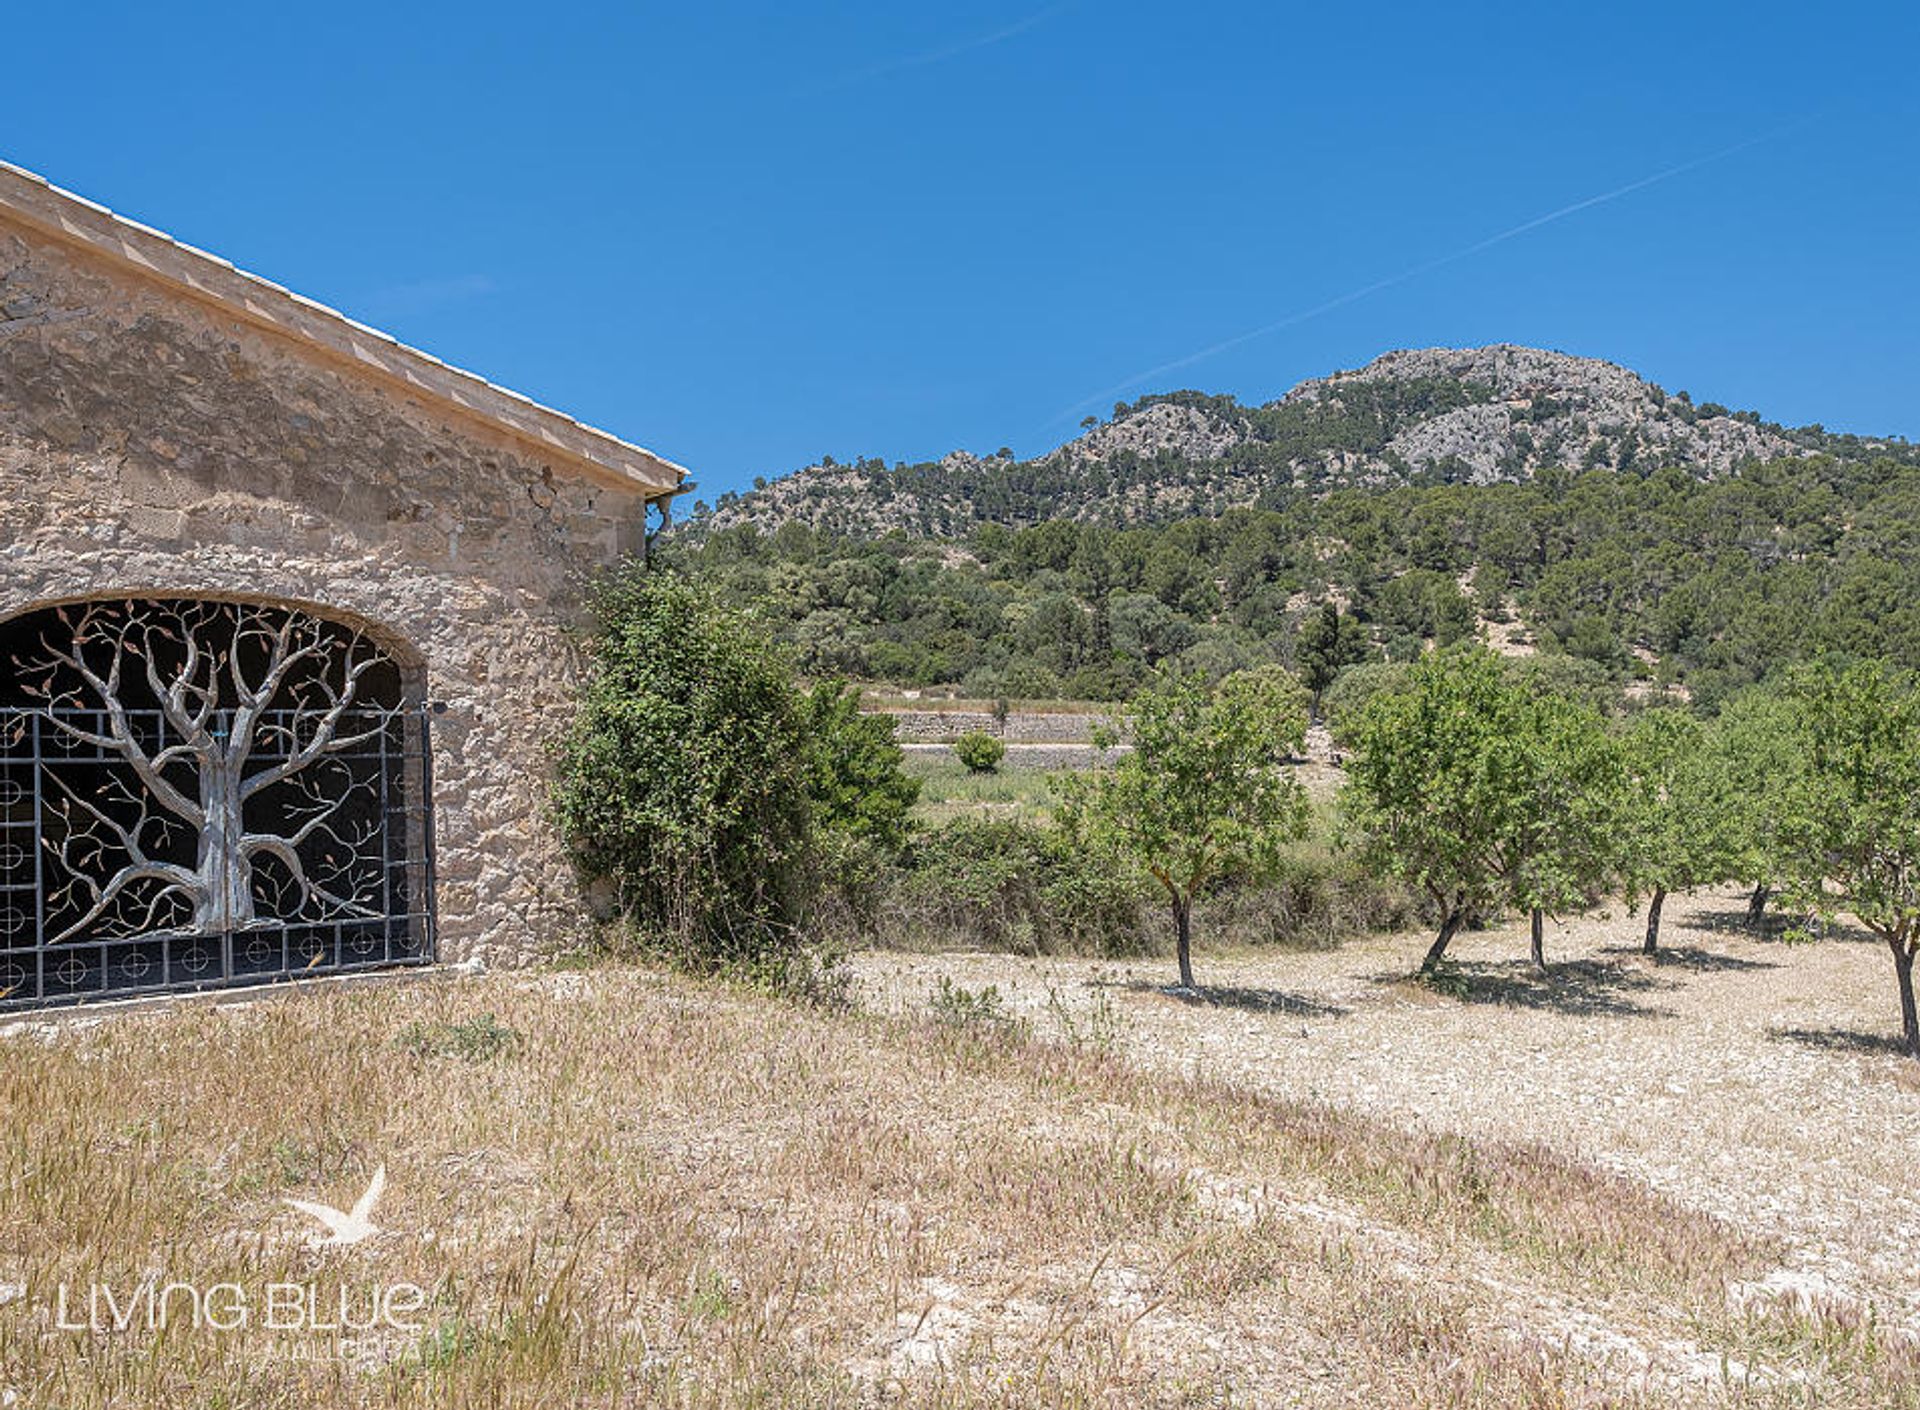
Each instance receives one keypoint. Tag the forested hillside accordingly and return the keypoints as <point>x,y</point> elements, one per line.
<point>1711,583</point>
<point>1554,504</point>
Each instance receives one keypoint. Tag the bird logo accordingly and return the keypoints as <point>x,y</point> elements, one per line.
<point>353,1226</point>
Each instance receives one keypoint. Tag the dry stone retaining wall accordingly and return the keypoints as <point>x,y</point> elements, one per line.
<point>1037,727</point>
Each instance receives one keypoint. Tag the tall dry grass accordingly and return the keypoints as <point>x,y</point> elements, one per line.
<point>620,1190</point>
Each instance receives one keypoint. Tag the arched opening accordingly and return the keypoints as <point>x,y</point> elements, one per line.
<point>199,791</point>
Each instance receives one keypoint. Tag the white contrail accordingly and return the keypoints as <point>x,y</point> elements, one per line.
<point>1101,398</point>
<point>941,55</point>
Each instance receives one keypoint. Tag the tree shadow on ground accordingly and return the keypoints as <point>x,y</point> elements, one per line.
<point>1841,1040</point>
<point>1690,957</point>
<point>1736,922</point>
<point>1775,927</point>
<point>1582,988</point>
<point>1229,996</point>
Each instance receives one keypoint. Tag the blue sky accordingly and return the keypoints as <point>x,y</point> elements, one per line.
<point>747,234</point>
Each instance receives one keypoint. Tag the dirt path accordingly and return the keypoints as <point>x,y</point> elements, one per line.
<point>1744,1077</point>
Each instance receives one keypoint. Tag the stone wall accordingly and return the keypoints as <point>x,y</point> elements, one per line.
<point>1038,727</point>
<point>151,445</point>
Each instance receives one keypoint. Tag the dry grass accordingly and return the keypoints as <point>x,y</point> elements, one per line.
<point>1743,1079</point>
<point>621,1189</point>
<point>949,790</point>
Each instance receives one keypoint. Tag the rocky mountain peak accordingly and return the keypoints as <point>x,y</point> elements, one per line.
<point>1472,415</point>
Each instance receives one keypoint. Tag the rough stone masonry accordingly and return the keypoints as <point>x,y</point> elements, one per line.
<point>170,426</point>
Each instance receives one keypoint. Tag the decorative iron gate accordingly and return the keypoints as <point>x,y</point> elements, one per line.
<point>196,793</point>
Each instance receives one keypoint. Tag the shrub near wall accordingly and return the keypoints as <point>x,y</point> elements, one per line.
<point>684,781</point>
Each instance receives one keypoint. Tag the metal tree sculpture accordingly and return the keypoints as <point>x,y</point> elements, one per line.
<point>200,714</point>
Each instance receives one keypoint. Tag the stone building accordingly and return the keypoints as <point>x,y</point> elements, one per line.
<point>285,613</point>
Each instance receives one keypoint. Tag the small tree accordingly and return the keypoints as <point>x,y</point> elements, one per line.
<point>979,751</point>
<point>1479,789</point>
<point>1329,640</point>
<point>1676,829</point>
<point>1426,798</point>
<point>1562,844</point>
<point>855,777</point>
<point>1204,794</point>
<point>1757,748</point>
<point>1851,830</point>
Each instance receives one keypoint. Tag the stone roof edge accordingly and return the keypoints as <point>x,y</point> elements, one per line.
<point>38,203</point>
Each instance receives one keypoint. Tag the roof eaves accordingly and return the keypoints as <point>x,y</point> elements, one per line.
<point>34,200</point>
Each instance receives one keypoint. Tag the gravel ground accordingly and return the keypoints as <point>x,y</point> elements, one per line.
<point>1743,1076</point>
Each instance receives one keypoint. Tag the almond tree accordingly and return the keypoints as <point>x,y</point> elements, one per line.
<point>1756,749</point>
<point>1564,841</point>
<point>1851,826</point>
<point>1204,794</point>
<point>1480,790</point>
<point>1429,788</point>
<point>199,708</point>
<point>1679,812</point>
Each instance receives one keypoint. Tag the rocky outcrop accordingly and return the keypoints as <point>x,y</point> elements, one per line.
<point>1164,427</point>
<point>1545,408</point>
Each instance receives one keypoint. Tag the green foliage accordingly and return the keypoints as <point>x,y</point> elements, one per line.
<point>979,751</point>
<point>1203,794</point>
<point>469,1039</point>
<point>1006,885</point>
<point>1718,583</point>
<point>1346,699</point>
<point>684,781</point>
<point>1329,640</point>
<point>711,792</point>
<point>1312,900</point>
<point>1681,817</point>
<point>1757,748</point>
<point>1427,795</point>
<point>1565,836</point>
<point>1851,829</point>
<point>857,782</point>
<point>1478,790</point>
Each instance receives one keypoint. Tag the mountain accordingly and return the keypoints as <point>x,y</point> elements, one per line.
<point>1420,416</point>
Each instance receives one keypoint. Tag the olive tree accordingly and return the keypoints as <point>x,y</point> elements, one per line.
<point>1851,827</point>
<point>1204,794</point>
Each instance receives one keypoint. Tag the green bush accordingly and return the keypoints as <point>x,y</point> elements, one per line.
<point>684,782</point>
<point>1348,695</point>
<point>979,751</point>
<point>1016,886</point>
<point>856,782</point>
<point>1311,901</point>
<point>722,806</point>
<point>1021,887</point>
